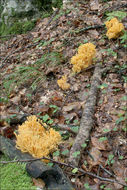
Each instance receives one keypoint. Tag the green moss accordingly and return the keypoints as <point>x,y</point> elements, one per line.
<point>16,28</point>
<point>14,177</point>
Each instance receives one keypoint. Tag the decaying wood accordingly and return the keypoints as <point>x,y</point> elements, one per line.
<point>87,120</point>
<point>52,176</point>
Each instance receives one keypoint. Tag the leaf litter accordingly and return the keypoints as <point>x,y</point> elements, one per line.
<point>59,42</point>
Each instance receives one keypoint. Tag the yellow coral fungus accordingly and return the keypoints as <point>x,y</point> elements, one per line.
<point>32,137</point>
<point>84,58</point>
<point>63,83</point>
<point>114,28</point>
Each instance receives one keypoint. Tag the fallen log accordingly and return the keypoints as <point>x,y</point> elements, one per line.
<point>53,177</point>
<point>87,120</point>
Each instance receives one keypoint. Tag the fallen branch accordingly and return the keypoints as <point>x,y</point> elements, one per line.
<point>113,8</point>
<point>87,120</point>
<point>89,28</point>
<point>53,15</point>
<point>68,165</point>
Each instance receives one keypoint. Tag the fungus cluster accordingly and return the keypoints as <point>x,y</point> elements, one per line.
<point>84,57</point>
<point>62,83</point>
<point>33,138</point>
<point>114,28</point>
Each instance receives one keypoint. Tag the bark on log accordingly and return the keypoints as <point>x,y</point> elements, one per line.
<point>87,120</point>
<point>52,176</point>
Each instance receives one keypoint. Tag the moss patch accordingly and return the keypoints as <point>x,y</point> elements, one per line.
<point>14,177</point>
<point>17,28</point>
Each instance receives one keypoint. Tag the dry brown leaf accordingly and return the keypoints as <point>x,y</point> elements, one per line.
<point>96,154</point>
<point>38,182</point>
<point>98,144</point>
<point>93,33</point>
<point>72,106</point>
<point>94,5</point>
<point>16,99</point>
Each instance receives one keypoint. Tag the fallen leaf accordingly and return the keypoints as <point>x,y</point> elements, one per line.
<point>93,33</point>
<point>38,182</point>
<point>7,131</point>
<point>98,144</point>
<point>72,106</point>
<point>16,99</point>
<point>94,5</point>
<point>70,116</point>
<point>96,154</point>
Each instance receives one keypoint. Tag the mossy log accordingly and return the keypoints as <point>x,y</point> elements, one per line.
<point>52,176</point>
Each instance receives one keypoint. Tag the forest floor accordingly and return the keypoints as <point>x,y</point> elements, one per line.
<point>32,63</point>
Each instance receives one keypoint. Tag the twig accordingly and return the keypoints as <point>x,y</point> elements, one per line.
<point>68,165</point>
<point>89,28</point>
<point>108,172</point>
<point>66,128</point>
<point>115,7</point>
<point>7,36</point>
<point>53,15</point>
<point>100,166</point>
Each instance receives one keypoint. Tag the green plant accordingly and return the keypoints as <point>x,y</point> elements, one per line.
<point>76,121</point>
<point>119,14</point>
<point>121,157</point>
<point>102,86</point>
<point>124,98</point>
<point>102,186</point>
<point>17,27</point>
<point>65,152</point>
<point>106,130</point>
<point>14,176</point>
<point>115,129</point>
<point>4,100</point>
<point>87,187</point>
<point>121,118</point>
<point>123,39</point>
<point>75,129</point>
<point>45,43</point>
<point>124,129</point>
<point>45,118</point>
<point>110,159</point>
<point>101,139</point>
<point>75,154</point>
<point>65,135</point>
<point>67,121</point>
<point>54,107</point>
<point>75,170</point>
<point>121,70</point>
<point>110,52</point>
<point>50,164</point>
<point>84,145</point>
<point>8,119</point>
<point>85,163</point>
<point>57,153</point>
<point>32,75</point>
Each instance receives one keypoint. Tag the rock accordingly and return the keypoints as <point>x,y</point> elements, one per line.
<point>13,11</point>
